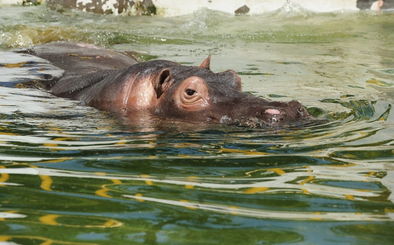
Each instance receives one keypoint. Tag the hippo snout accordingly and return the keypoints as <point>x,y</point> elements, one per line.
<point>260,113</point>
<point>285,113</point>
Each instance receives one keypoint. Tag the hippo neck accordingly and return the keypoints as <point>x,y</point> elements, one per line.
<point>130,89</point>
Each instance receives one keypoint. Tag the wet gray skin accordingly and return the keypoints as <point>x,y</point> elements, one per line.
<point>113,82</point>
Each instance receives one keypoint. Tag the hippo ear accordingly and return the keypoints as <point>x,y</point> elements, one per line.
<point>206,63</point>
<point>163,81</point>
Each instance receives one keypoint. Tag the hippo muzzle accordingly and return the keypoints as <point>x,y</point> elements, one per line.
<point>259,113</point>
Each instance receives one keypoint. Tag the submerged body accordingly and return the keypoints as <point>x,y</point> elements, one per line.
<point>116,83</point>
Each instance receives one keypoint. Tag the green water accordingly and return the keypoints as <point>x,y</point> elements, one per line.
<point>70,174</point>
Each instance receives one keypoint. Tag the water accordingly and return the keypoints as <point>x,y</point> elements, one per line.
<point>70,174</point>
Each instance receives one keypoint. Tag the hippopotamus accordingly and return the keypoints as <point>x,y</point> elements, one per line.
<point>117,83</point>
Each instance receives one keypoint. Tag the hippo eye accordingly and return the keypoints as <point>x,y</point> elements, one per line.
<point>190,92</point>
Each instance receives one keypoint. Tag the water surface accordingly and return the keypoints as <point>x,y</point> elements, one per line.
<point>71,174</point>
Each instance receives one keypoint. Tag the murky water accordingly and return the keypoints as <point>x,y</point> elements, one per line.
<point>74,175</point>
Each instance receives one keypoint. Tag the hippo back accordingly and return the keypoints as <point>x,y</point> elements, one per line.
<point>81,58</point>
<point>83,64</point>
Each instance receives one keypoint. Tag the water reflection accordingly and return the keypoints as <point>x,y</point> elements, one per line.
<point>268,214</point>
<point>311,180</point>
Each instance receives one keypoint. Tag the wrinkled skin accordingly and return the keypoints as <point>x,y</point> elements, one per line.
<point>114,82</point>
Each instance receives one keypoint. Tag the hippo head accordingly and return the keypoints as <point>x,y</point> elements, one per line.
<point>197,94</point>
